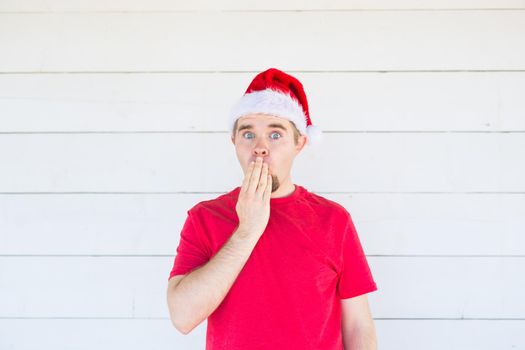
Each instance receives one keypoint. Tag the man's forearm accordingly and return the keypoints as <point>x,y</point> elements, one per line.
<point>199,293</point>
<point>363,338</point>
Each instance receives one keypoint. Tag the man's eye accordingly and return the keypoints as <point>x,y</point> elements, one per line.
<point>271,135</point>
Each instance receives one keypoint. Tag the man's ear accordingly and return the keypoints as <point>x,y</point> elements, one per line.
<point>233,139</point>
<point>301,142</point>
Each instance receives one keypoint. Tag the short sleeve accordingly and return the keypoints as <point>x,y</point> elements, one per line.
<point>355,277</point>
<point>191,252</point>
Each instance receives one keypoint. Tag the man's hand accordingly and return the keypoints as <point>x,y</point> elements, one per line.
<point>253,204</point>
<point>201,291</point>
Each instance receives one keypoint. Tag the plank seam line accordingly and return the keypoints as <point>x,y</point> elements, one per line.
<point>293,11</point>
<point>219,192</point>
<point>166,318</point>
<point>172,256</point>
<point>253,71</point>
<point>132,132</point>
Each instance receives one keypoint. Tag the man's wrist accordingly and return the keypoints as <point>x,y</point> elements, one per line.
<point>244,233</point>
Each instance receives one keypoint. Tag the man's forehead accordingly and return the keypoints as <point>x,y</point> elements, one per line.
<point>262,121</point>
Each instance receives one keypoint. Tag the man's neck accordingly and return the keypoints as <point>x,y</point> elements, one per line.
<point>284,190</point>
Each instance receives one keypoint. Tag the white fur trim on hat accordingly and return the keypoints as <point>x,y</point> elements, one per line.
<point>315,134</point>
<point>272,102</point>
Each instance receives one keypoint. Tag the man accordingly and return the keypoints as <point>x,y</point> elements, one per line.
<point>270,264</point>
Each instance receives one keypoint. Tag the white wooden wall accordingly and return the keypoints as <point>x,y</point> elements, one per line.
<point>113,124</point>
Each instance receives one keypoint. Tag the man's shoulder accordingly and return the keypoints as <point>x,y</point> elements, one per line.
<point>224,201</point>
<point>320,202</point>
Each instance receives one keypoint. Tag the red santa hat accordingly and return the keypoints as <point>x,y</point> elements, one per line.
<point>277,93</point>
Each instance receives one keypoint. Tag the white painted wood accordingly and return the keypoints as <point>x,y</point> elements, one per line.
<point>475,101</point>
<point>203,5</point>
<point>353,41</point>
<point>150,224</point>
<point>393,162</point>
<point>416,98</point>
<point>120,286</point>
<point>88,334</point>
<point>139,334</point>
<point>450,334</point>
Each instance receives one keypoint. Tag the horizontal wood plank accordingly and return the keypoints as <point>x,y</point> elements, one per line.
<point>193,102</point>
<point>139,334</point>
<point>150,224</point>
<point>382,162</point>
<point>353,41</point>
<point>118,286</point>
<point>203,5</point>
<point>97,333</point>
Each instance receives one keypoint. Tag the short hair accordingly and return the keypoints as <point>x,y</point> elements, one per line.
<point>296,132</point>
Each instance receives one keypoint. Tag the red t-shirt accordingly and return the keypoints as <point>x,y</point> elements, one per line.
<point>287,296</point>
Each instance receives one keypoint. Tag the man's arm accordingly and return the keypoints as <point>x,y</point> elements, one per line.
<point>199,293</point>
<point>192,299</point>
<point>357,324</point>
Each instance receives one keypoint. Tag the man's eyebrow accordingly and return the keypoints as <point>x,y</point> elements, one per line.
<point>250,126</point>
<point>279,126</point>
<point>245,126</point>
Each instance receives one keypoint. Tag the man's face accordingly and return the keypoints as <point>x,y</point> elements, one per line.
<point>269,137</point>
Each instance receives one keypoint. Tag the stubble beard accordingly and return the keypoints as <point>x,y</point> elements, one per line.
<point>275,183</point>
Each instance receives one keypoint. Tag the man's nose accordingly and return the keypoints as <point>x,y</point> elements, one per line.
<point>261,149</point>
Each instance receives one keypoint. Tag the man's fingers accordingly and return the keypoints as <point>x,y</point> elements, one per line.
<point>268,190</point>
<point>246,180</point>
<point>254,179</point>
<point>264,179</point>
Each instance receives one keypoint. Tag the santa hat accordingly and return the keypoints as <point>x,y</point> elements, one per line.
<point>277,93</point>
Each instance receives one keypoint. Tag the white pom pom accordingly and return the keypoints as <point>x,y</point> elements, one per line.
<point>315,134</point>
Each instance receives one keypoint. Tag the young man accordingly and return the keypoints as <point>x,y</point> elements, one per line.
<point>270,264</point>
